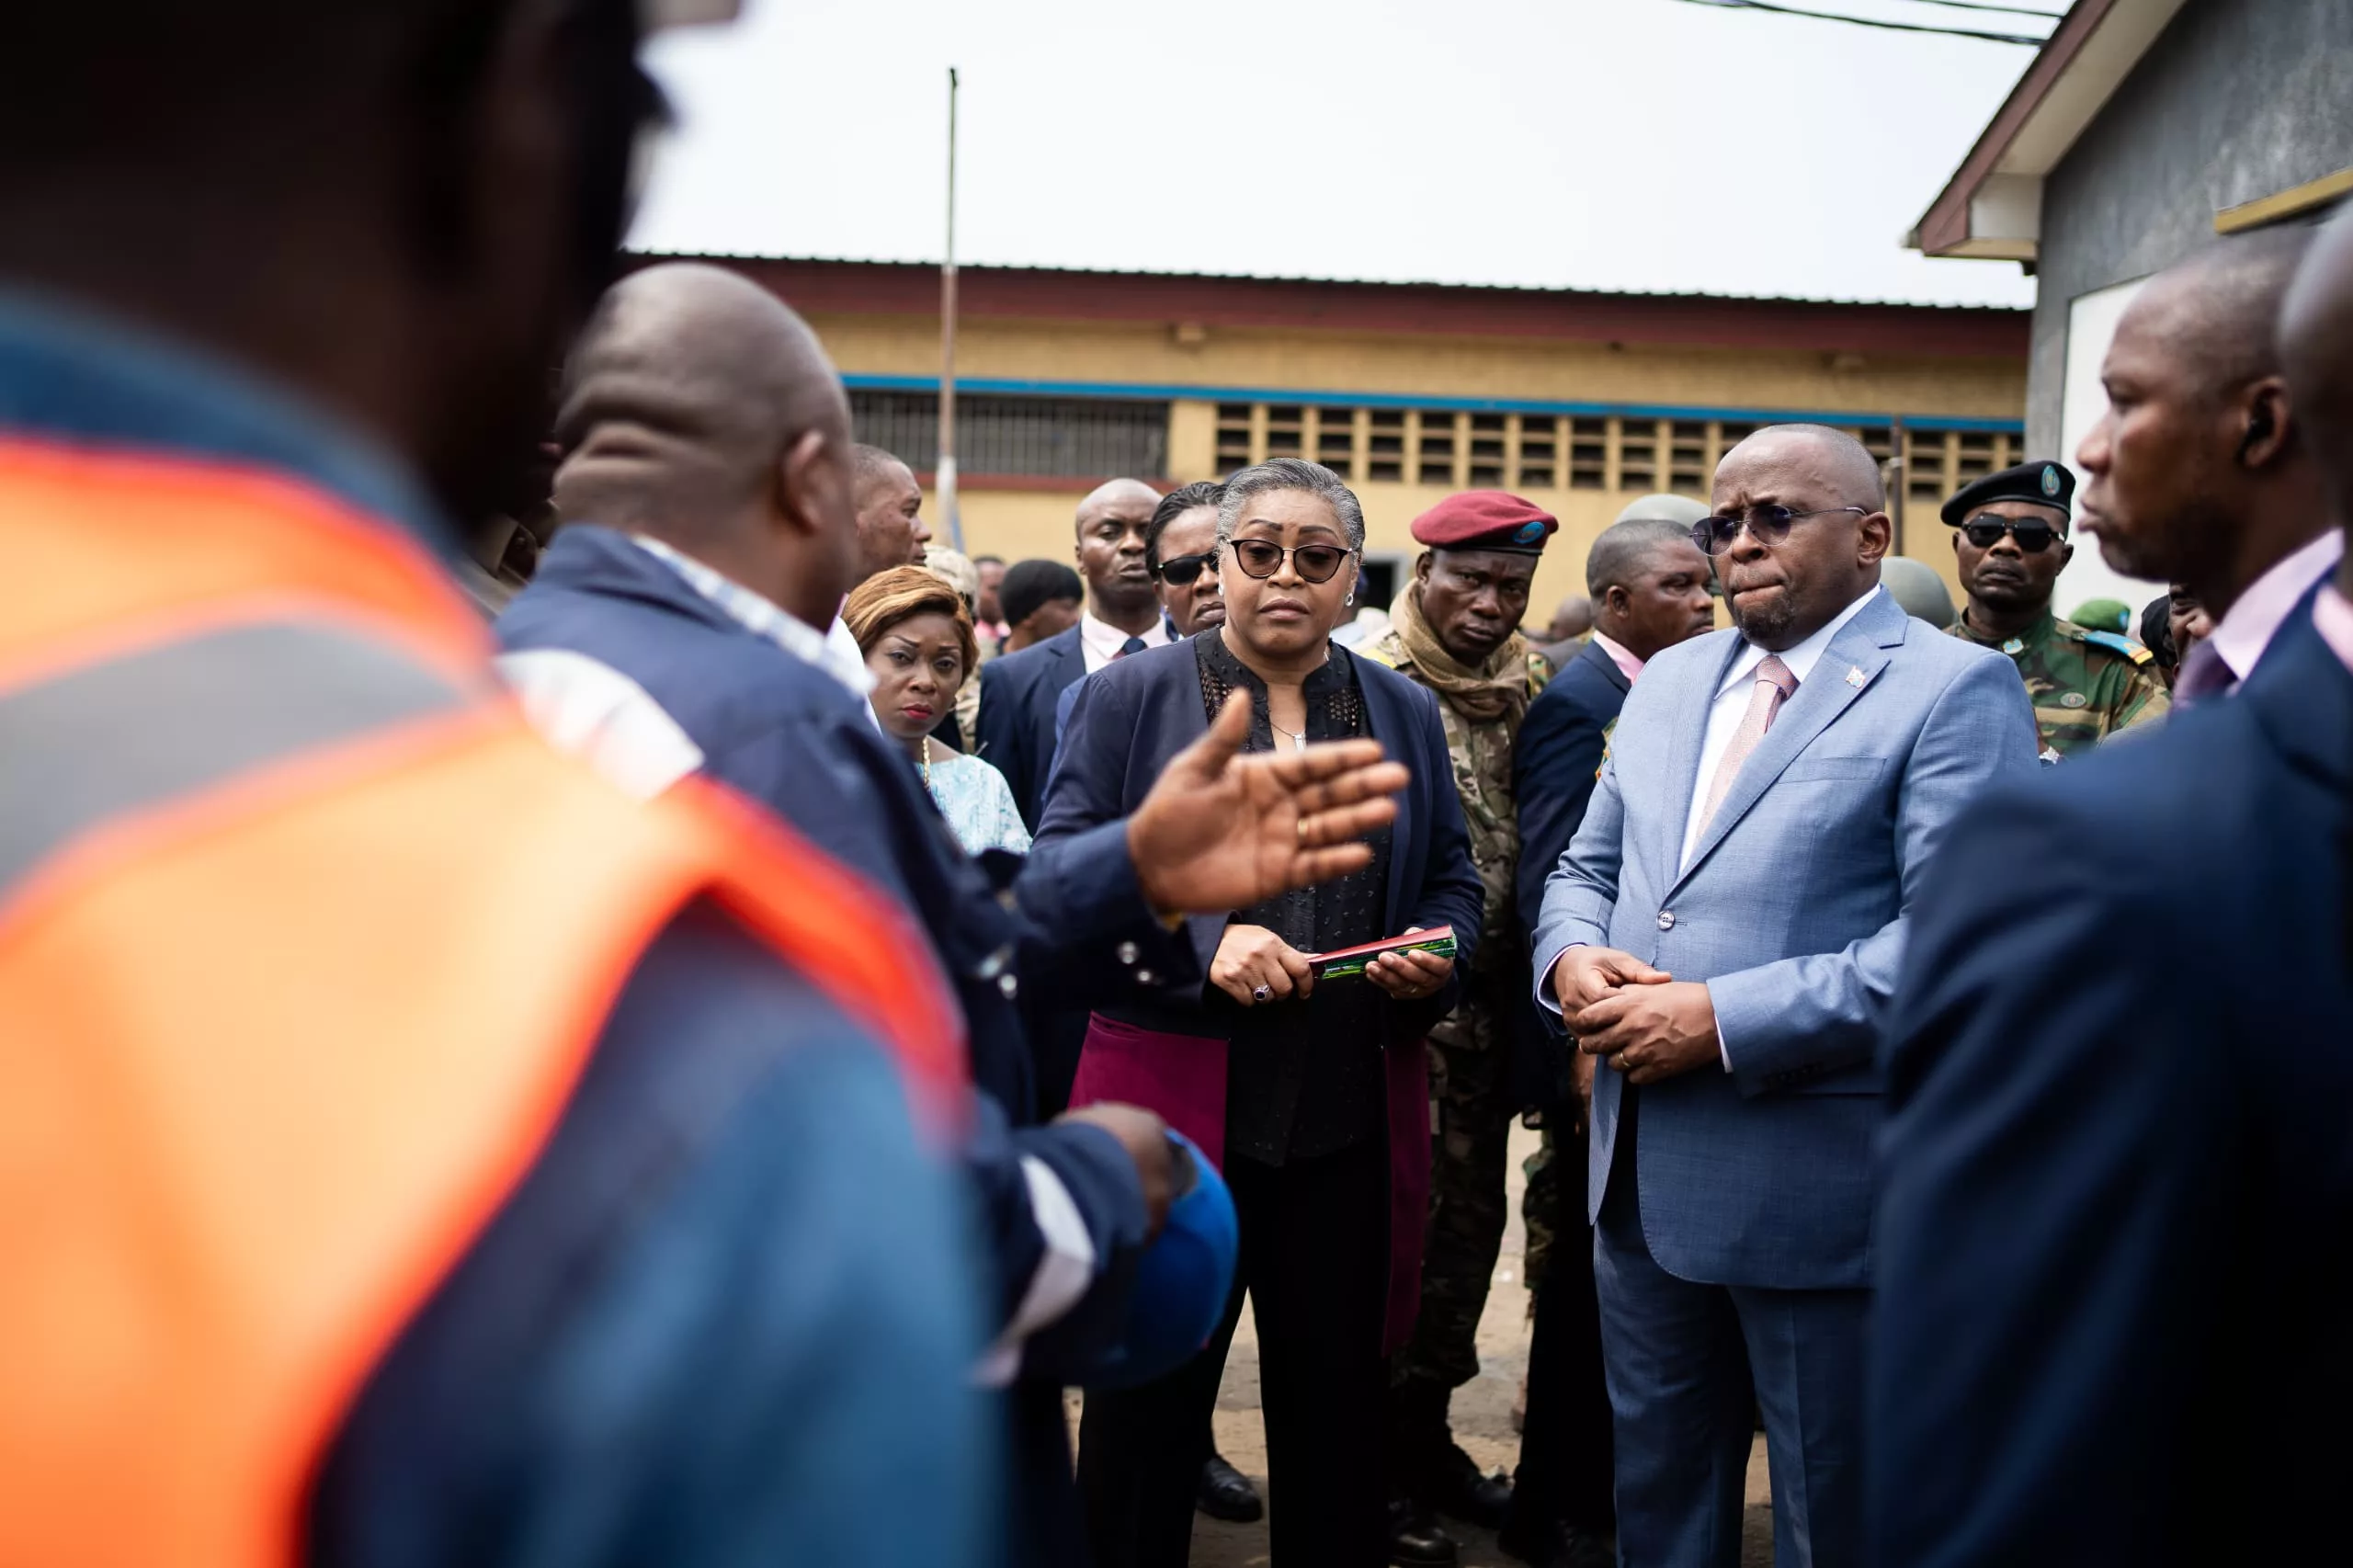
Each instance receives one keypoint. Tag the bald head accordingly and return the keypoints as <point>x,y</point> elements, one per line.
<point>697,408</point>
<point>2316,348</point>
<point>686,388</point>
<point>1824,486</point>
<point>2199,469</point>
<point>1834,459</point>
<point>2217,311</point>
<point>1114,526</point>
<point>1116,496</point>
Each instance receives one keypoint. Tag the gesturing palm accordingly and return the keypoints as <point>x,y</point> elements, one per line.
<point>1221,831</point>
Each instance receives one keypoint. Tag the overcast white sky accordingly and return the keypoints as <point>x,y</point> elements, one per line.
<point>1630,144</point>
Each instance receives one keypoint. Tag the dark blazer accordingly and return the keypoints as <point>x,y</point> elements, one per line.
<point>2116,1216</point>
<point>1554,763</point>
<point>785,733</point>
<point>1015,730</point>
<point>1132,718</point>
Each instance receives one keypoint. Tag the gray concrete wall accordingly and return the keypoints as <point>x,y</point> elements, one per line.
<point>2237,99</point>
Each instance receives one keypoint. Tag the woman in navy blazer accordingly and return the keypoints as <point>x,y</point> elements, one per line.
<point>1314,1098</point>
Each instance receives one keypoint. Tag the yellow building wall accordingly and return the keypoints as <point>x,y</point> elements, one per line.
<point>1506,370</point>
<point>1016,524</point>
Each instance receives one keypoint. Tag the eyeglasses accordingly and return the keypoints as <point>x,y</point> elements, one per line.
<point>1768,526</point>
<point>1181,570</point>
<point>1985,530</point>
<point>1314,563</point>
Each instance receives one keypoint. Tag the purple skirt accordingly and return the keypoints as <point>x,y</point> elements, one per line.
<point>1182,1077</point>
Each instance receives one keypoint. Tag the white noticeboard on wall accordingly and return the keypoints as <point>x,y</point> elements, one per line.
<point>2091,323</point>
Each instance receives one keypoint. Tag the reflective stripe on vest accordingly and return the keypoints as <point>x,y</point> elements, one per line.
<point>303,942</point>
<point>160,722</point>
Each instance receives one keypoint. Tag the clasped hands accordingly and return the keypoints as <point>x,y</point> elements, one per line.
<point>1640,1020</point>
<point>1253,966</point>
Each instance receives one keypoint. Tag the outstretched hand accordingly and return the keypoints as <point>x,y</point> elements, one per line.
<point>1221,831</point>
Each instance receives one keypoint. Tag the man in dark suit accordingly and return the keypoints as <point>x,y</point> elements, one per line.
<point>2116,1222</point>
<point>1020,722</point>
<point>1019,691</point>
<point>1648,585</point>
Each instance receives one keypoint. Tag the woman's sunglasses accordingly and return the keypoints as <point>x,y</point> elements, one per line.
<point>1985,531</point>
<point>1314,563</point>
<point>1181,570</point>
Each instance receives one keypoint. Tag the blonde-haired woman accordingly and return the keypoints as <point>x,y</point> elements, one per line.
<point>917,635</point>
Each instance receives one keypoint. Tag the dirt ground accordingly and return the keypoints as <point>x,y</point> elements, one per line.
<point>1481,1418</point>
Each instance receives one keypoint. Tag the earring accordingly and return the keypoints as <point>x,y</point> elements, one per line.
<point>1350,600</point>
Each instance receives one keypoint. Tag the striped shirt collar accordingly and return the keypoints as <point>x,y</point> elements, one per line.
<point>762,617</point>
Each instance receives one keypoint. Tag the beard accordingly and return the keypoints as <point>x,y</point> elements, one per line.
<point>1768,623</point>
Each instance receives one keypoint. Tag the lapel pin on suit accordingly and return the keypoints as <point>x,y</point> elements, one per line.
<point>1855,676</point>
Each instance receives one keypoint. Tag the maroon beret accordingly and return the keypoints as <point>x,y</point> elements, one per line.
<point>1486,519</point>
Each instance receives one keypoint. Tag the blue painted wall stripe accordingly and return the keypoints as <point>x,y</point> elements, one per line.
<point>1128,391</point>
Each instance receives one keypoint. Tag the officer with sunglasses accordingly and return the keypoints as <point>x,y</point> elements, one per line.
<point>2010,538</point>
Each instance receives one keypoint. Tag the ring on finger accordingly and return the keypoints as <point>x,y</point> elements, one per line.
<point>1262,994</point>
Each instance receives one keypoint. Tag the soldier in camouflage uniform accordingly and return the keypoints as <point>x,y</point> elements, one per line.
<point>2010,536</point>
<point>1453,630</point>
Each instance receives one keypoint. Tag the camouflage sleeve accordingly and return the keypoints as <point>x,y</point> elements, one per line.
<point>2142,700</point>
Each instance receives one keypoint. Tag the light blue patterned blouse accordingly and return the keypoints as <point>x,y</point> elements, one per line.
<point>977,803</point>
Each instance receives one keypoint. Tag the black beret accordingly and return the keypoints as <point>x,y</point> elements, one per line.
<point>2045,483</point>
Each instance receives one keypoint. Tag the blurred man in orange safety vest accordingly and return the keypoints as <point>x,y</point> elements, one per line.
<point>412,1150</point>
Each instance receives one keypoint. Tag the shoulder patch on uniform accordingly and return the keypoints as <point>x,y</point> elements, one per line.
<point>1390,658</point>
<point>2116,642</point>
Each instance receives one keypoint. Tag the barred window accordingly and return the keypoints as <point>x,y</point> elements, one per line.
<point>1062,437</point>
<point>1386,451</point>
<point>1435,448</point>
<point>1630,455</point>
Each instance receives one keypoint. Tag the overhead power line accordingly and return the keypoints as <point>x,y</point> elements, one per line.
<point>2028,38</point>
<point>1982,6</point>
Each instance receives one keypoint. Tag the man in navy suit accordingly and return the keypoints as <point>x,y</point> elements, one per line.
<point>1019,692</point>
<point>1724,933</point>
<point>1649,584</point>
<point>2117,1214</point>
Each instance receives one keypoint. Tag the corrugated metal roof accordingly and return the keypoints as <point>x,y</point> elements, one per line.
<point>933,265</point>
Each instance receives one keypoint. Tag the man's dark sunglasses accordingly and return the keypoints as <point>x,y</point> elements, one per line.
<point>1768,526</point>
<point>1314,563</point>
<point>1985,530</point>
<point>1182,569</point>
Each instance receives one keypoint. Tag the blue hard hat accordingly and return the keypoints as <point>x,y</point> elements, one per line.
<point>1181,1282</point>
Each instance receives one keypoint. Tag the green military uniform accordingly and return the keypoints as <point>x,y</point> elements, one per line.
<point>1470,1051</point>
<point>2085,685</point>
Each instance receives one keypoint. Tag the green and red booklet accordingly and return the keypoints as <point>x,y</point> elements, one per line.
<point>1347,963</point>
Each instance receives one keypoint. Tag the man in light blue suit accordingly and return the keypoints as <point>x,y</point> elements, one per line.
<point>1723,933</point>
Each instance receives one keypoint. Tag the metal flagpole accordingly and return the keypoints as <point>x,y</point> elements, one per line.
<point>944,480</point>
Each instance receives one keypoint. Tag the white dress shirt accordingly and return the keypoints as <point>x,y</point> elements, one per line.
<point>1732,705</point>
<point>2240,637</point>
<point>1101,642</point>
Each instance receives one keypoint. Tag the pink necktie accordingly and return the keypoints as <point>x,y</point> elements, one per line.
<point>1774,685</point>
